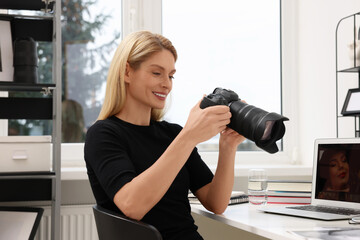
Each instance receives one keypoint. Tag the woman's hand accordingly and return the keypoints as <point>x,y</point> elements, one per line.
<point>203,124</point>
<point>229,138</point>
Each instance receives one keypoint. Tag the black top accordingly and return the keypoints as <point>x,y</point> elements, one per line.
<point>117,151</point>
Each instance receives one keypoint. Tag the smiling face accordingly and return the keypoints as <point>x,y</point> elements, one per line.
<point>148,86</point>
<point>339,171</point>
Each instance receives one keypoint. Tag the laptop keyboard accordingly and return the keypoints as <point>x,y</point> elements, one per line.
<point>335,210</point>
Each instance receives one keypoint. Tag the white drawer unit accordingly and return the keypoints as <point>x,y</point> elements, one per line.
<point>25,153</point>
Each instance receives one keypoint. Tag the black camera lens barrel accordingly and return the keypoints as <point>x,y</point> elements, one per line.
<point>250,115</point>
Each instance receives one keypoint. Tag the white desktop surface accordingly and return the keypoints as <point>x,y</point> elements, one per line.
<point>248,218</point>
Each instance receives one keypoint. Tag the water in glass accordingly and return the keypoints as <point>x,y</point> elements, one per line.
<point>257,187</point>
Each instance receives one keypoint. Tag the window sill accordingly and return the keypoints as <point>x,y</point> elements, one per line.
<point>74,173</point>
<point>79,173</point>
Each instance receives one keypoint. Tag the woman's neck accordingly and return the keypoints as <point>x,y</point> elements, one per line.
<point>135,116</point>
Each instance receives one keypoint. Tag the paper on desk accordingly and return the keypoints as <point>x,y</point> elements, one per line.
<point>349,233</point>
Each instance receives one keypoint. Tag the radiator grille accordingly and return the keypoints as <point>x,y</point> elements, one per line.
<point>77,223</point>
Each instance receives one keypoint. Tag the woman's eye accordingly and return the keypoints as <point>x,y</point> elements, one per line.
<point>171,77</point>
<point>332,164</point>
<point>156,73</point>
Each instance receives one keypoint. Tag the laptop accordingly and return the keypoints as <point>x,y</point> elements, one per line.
<point>335,191</point>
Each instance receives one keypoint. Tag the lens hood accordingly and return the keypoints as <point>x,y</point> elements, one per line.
<point>277,131</point>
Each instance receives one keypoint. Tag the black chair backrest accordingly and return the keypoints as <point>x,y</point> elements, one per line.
<point>111,225</point>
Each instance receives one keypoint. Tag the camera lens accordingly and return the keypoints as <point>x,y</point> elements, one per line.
<point>262,127</point>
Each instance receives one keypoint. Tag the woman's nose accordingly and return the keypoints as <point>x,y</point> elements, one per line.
<point>166,83</point>
<point>341,164</point>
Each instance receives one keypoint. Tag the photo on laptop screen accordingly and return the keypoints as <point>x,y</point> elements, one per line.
<point>338,172</point>
<point>335,191</point>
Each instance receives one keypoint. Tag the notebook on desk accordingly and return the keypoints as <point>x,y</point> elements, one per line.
<point>335,182</point>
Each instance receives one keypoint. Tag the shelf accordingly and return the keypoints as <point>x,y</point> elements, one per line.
<point>26,5</point>
<point>40,20</point>
<point>37,27</point>
<point>27,175</point>
<point>28,87</point>
<point>25,189</point>
<point>346,116</point>
<point>26,108</point>
<point>5,16</point>
<point>353,32</point>
<point>351,70</point>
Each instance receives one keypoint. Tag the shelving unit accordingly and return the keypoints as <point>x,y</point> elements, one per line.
<point>347,40</point>
<point>36,186</point>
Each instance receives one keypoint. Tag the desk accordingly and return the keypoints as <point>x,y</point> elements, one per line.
<point>248,218</point>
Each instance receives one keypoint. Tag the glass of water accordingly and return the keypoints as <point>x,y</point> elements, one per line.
<point>257,186</point>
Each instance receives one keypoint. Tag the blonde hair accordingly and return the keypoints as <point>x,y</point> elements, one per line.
<point>133,49</point>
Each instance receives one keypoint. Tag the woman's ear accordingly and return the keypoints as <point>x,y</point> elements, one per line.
<point>127,73</point>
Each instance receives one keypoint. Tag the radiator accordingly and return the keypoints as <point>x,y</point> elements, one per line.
<point>77,223</point>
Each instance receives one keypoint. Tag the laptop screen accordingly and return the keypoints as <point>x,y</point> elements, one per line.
<point>338,172</point>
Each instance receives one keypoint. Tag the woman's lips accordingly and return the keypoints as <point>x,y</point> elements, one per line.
<point>342,175</point>
<point>161,96</point>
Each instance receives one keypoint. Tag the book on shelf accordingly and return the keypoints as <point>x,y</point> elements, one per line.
<point>236,198</point>
<point>287,185</point>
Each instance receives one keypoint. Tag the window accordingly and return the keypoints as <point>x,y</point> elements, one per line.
<point>89,44</point>
<point>91,33</point>
<point>233,44</point>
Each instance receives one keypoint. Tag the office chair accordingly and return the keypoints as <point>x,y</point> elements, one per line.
<point>111,225</point>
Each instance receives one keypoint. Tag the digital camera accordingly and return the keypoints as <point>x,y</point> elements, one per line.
<point>255,124</point>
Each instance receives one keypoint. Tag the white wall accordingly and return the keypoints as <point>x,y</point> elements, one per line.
<point>317,22</point>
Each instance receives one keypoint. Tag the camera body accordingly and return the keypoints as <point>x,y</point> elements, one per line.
<point>255,124</point>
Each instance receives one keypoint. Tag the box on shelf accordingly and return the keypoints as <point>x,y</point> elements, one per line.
<point>25,153</point>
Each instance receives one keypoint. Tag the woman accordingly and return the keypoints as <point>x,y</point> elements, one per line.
<point>144,167</point>
<point>335,171</point>
<point>338,171</point>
